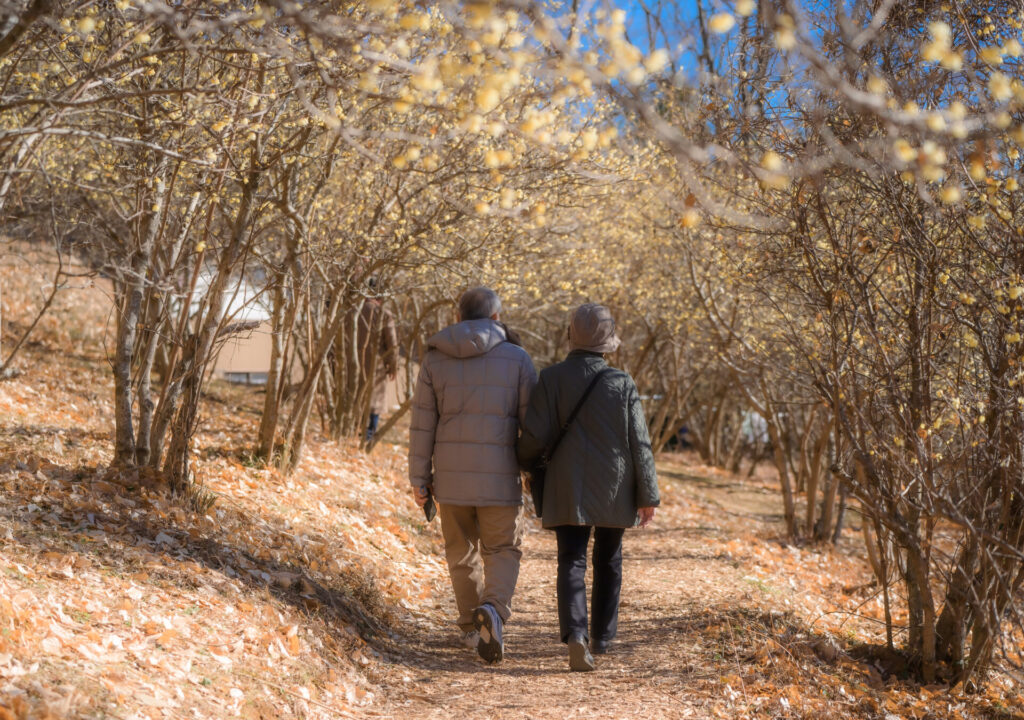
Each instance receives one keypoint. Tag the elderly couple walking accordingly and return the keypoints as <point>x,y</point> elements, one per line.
<point>480,415</point>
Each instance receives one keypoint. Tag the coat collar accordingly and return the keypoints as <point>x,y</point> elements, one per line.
<point>590,358</point>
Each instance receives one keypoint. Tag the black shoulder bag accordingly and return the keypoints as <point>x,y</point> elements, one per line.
<point>539,470</point>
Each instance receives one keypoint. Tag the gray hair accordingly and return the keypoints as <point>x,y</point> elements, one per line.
<point>479,303</point>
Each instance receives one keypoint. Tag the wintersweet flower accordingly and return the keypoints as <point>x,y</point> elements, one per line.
<point>999,87</point>
<point>950,194</point>
<point>721,23</point>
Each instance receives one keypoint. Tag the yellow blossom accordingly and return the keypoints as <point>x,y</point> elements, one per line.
<point>904,150</point>
<point>771,161</point>
<point>487,98</point>
<point>950,194</point>
<point>999,87</point>
<point>690,219</point>
<point>721,23</point>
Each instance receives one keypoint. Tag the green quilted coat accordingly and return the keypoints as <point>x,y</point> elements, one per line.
<point>603,470</point>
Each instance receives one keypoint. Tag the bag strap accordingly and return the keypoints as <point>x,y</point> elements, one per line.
<point>549,452</point>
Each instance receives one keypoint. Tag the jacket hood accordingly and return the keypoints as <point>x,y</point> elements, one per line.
<point>468,338</point>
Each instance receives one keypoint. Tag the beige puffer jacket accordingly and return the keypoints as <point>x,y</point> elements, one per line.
<point>469,402</point>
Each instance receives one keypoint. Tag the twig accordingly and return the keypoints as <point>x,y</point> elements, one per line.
<point>6,371</point>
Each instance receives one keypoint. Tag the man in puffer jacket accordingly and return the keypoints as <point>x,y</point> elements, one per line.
<point>470,400</point>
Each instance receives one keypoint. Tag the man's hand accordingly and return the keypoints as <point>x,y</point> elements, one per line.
<point>646,515</point>
<point>420,495</point>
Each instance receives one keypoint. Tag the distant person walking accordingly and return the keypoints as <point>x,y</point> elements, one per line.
<point>378,355</point>
<point>601,476</point>
<point>469,402</point>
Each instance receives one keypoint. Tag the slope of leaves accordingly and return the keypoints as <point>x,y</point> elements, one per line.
<point>119,601</point>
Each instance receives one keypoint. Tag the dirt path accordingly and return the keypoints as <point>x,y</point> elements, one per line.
<point>674,581</point>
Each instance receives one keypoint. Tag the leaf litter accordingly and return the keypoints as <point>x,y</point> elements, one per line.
<point>325,595</point>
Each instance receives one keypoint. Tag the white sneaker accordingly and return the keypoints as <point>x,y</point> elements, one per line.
<point>470,638</point>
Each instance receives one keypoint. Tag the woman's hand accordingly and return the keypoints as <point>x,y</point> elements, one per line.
<point>646,515</point>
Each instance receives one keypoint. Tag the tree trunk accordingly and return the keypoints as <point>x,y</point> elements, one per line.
<point>837,531</point>
<point>199,349</point>
<point>176,465</point>
<point>268,418</point>
<point>128,317</point>
<point>284,314</point>
<point>146,403</point>
<point>736,447</point>
<point>788,504</point>
<point>823,529</point>
<point>369,377</point>
<point>291,453</point>
<point>921,608</point>
<point>951,628</point>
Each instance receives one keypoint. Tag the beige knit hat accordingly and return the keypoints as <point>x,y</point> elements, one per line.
<point>592,328</point>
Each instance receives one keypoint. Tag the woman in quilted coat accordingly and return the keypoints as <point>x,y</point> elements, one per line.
<point>601,477</point>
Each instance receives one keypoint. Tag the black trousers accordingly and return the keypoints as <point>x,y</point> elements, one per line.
<point>572,587</point>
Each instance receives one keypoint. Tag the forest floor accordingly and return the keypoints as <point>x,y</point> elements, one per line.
<point>325,595</point>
